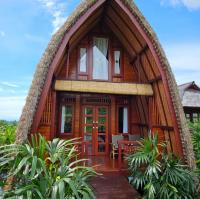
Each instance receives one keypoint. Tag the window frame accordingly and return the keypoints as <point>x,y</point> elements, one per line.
<point>87,60</point>
<point>128,118</point>
<point>60,119</point>
<point>91,41</point>
<point>113,63</point>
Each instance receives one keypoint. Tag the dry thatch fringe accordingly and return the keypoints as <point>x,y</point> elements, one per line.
<point>43,66</point>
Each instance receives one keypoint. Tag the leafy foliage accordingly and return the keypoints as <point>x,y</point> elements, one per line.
<point>7,132</point>
<point>159,175</point>
<point>44,170</point>
<point>195,128</point>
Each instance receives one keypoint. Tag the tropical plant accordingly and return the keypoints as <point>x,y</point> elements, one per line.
<point>7,132</point>
<point>43,170</point>
<point>159,175</point>
<point>195,129</point>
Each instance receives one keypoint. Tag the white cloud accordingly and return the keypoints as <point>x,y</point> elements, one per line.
<point>184,59</point>
<point>1,89</point>
<point>11,107</point>
<point>2,33</point>
<point>57,11</point>
<point>12,85</point>
<point>190,4</point>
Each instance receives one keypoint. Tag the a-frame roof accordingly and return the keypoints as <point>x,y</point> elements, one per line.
<point>57,46</point>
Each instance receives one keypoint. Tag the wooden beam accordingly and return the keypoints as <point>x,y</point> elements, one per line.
<point>163,127</point>
<point>139,54</point>
<point>104,87</point>
<point>156,79</point>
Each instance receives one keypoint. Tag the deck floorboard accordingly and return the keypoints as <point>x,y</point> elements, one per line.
<point>113,185</point>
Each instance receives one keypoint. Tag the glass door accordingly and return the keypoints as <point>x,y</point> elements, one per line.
<point>88,130</point>
<point>95,130</point>
<point>102,130</point>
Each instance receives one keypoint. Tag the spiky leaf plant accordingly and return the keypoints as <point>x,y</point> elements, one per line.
<point>159,175</point>
<point>43,170</point>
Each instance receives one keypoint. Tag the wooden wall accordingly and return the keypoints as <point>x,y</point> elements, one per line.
<point>138,66</point>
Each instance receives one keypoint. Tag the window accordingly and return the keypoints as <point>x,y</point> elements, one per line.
<point>117,62</point>
<point>66,119</point>
<point>195,117</point>
<point>100,58</point>
<point>123,120</point>
<point>83,60</point>
<point>187,115</point>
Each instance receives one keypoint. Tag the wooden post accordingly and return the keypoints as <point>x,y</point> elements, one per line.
<point>53,116</point>
<point>150,111</point>
<point>77,112</point>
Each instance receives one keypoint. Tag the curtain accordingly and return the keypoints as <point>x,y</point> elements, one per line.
<point>63,120</point>
<point>117,62</point>
<point>125,120</point>
<point>83,59</point>
<point>100,62</point>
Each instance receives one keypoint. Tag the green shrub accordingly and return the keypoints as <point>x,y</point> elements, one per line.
<point>7,132</point>
<point>45,170</point>
<point>159,175</point>
<point>195,129</point>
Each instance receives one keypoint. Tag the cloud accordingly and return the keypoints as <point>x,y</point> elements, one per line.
<point>184,59</point>
<point>12,85</point>
<point>2,33</point>
<point>190,4</point>
<point>11,107</point>
<point>57,11</point>
<point>1,89</point>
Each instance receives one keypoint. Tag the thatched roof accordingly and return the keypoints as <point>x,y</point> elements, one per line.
<point>33,98</point>
<point>190,95</point>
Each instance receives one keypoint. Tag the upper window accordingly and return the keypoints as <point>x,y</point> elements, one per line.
<point>100,58</point>
<point>117,62</point>
<point>83,60</point>
<point>67,119</point>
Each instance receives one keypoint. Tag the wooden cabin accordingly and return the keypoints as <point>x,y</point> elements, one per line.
<point>190,98</point>
<point>104,73</point>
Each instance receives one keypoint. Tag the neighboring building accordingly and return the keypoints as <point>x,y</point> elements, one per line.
<point>105,73</point>
<point>190,97</point>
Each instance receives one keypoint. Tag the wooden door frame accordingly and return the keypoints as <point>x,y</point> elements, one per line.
<point>95,130</point>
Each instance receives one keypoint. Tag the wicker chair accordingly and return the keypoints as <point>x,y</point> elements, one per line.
<point>114,145</point>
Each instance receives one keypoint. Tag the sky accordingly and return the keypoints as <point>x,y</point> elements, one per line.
<point>26,27</point>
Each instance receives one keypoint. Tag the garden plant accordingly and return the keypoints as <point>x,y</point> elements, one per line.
<point>42,169</point>
<point>158,174</point>
<point>7,132</point>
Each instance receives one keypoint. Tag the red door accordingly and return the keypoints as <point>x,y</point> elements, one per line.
<point>95,130</point>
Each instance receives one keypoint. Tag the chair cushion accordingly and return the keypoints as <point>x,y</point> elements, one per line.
<point>133,137</point>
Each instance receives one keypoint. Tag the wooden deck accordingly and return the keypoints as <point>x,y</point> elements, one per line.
<point>113,185</point>
<point>105,164</point>
<point>113,182</point>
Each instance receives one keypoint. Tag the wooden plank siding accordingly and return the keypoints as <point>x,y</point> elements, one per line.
<point>141,78</point>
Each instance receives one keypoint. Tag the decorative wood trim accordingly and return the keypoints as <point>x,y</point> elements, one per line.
<point>156,79</point>
<point>179,150</point>
<point>53,116</point>
<point>167,128</point>
<point>104,87</point>
<point>139,54</point>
